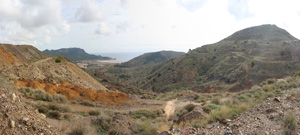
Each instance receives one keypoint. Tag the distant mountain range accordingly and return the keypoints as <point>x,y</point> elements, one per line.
<point>75,54</point>
<point>240,61</point>
<point>151,58</point>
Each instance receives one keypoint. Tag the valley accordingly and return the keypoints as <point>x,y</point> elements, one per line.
<point>247,83</point>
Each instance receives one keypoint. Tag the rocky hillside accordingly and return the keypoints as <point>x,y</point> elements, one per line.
<point>151,58</point>
<point>75,54</point>
<point>245,58</point>
<point>275,116</point>
<point>16,55</point>
<point>17,117</point>
<point>56,75</point>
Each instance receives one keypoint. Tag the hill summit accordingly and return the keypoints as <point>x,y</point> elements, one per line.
<point>240,61</point>
<point>265,32</point>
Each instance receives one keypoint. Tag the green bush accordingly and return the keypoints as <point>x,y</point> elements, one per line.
<point>54,115</point>
<point>189,107</point>
<point>83,113</point>
<point>209,107</point>
<point>88,103</point>
<point>58,59</point>
<point>42,109</point>
<point>146,113</point>
<point>102,124</point>
<point>144,128</point>
<point>290,124</point>
<point>80,129</point>
<point>93,113</point>
<point>67,117</point>
<point>216,100</point>
<point>42,95</point>
<point>297,73</point>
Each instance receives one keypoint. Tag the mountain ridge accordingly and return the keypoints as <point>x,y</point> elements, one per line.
<point>75,54</point>
<point>231,65</point>
<point>266,32</point>
<point>151,58</point>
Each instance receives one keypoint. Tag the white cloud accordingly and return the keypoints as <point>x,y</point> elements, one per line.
<point>29,21</point>
<point>239,8</point>
<point>90,11</point>
<point>137,25</point>
<point>103,29</point>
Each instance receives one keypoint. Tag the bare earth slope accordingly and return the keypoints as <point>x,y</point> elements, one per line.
<point>29,67</point>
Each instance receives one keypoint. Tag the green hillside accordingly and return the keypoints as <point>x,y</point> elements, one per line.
<point>75,54</point>
<point>240,61</point>
<point>151,58</point>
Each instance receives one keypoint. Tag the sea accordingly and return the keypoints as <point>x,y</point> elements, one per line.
<point>120,57</point>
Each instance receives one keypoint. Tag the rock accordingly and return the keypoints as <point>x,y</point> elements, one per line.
<point>227,121</point>
<point>276,99</point>
<point>25,119</point>
<point>43,116</point>
<point>267,133</point>
<point>12,124</point>
<point>14,97</point>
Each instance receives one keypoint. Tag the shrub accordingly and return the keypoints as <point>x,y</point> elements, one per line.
<point>199,123</point>
<point>216,100</point>
<point>41,95</point>
<point>59,98</point>
<point>144,128</point>
<point>83,113</point>
<point>88,103</point>
<point>93,113</point>
<point>58,59</point>
<point>297,73</point>
<point>42,109</point>
<point>290,124</point>
<point>189,107</point>
<point>67,117</point>
<point>80,129</point>
<point>54,115</point>
<point>102,124</point>
<point>207,108</point>
<point>146,113</point>
<point>271,81</point>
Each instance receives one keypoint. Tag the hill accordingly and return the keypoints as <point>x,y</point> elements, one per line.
<point>29,67</point>
<point>151,58</point>
<point>75,54</point>
<point>240,61</point>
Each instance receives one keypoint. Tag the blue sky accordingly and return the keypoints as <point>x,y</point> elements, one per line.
<point>137,25</point>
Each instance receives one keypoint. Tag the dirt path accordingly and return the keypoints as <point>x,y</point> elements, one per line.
<point>43,60</point>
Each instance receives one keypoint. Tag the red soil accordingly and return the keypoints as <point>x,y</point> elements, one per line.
<point>72,91</point>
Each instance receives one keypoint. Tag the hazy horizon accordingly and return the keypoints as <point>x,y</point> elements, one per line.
<point>135,26</point>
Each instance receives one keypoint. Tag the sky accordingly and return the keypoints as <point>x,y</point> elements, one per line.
<point>138,25</point>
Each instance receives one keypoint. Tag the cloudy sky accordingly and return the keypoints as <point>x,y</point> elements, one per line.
<point>137,25</point>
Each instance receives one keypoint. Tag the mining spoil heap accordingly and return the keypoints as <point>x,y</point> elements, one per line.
<point>72,91</point>
<point>29,67</point>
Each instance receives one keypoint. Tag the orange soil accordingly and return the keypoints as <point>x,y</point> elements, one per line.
<point>7,55</point>
<point>72,91</point>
